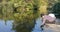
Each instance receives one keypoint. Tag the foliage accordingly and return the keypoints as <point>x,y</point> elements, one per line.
<point>56,8</point>
<point>21,8</point>
<point>21,11</point>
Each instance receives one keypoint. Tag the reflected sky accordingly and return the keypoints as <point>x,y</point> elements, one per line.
<point>6,27</point>
<point>37,26</point>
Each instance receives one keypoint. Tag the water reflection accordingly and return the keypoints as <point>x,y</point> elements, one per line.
<point>28,26</point>
<point>6,27</point>
<point>23,26</point>
<point>37,26</point>
<point>14,26</point>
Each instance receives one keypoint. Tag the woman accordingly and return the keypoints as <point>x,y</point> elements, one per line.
<point>50,18</point>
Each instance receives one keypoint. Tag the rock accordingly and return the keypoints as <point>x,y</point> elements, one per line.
<point>52,28</point>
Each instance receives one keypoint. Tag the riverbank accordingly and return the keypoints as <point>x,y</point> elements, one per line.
<point>53,27</point>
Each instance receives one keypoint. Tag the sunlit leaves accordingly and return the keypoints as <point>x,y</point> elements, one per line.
<point>25,9</point>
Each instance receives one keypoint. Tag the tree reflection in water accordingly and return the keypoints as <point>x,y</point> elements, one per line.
<point>26,26</point>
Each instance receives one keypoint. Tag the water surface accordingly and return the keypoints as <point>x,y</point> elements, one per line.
<point>8,26</point>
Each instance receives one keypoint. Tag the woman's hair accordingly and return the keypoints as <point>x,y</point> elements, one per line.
<point>42,15</point>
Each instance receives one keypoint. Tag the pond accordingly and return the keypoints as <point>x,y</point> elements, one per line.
<point>7,26</point>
